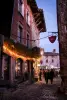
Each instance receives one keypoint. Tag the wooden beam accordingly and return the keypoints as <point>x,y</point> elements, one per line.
<point>37,20</point>
<point>36,15</point>
<point>39,23</point>
<point>40,30</point>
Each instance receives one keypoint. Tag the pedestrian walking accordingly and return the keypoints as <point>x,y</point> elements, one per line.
<point>40,74</point>
<point>46,76</point>
<point>51,75</point>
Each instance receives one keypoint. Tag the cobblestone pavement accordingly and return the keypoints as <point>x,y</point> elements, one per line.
<point>36,91</point>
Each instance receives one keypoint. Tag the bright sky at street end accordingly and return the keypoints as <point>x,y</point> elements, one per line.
<point>49,8</point>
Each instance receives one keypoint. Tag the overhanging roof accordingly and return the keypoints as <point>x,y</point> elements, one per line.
<point>42,25</point>
<point>38,14</point>
<point>33,5</point>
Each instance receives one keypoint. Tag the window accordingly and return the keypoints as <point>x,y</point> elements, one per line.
<point>28,41</point>
<point>65,28</point>
<point>28,17</point>
<point>47,61</point>
<point>21,7</point>
<point>52,60</point>
<point>19,37</point>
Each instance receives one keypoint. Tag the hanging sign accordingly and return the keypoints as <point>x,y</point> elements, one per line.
<point>52,38</point>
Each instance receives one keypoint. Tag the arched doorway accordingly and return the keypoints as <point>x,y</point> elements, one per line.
<point>6,66</point>
<point>18,68</point>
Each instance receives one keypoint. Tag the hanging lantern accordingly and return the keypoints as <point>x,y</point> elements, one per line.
<point>52,38</point>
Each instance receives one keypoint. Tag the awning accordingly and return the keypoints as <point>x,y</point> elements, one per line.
<point>18,50</point>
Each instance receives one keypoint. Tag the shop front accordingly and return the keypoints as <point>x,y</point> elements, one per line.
<point>18,61</point>
<point>5,68</point>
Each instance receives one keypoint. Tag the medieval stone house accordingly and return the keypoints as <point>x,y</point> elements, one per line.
<point>21,49</point>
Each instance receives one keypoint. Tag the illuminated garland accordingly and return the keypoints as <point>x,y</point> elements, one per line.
<point>17,50</point>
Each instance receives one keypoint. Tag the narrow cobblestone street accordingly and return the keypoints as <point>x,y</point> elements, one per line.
<point>36,91</point>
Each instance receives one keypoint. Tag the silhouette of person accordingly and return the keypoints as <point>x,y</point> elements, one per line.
<point>51,75</point>
<point>46,75</point>
<point>40,74</point>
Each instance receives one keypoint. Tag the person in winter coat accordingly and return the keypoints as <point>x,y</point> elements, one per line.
<point>40,74</point>
<point>46,76</point>
<point>51,75</point>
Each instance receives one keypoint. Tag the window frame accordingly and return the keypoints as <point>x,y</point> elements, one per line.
<point>52,60</point>
<point>28,40</point>
<point>21,7</point>
<point>28,17</point>
<point>19,38</point>
<point>46,60</point>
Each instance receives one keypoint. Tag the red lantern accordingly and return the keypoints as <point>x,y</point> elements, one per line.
<point>52,38</point>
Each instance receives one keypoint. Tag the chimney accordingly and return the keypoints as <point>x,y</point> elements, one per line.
<point>54,50</point>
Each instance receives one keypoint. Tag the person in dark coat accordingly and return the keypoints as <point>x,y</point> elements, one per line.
<point>40,74</point>
<point>46,76</point>
<point>51,75</point>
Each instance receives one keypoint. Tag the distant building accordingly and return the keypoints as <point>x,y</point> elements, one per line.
<point>50,60</point>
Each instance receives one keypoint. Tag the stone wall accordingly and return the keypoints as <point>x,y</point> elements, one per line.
<point>62,36</point>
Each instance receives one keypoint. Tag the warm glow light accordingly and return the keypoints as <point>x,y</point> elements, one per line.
<point>38,64</point>
<point>46,67</point>
<point>14,54</point>
<point>25,68</point>
<point>41,52</point>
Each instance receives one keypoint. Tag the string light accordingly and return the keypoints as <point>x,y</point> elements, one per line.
<point>14,54</point>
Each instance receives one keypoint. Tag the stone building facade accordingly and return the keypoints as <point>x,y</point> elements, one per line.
<point>21,49</point>
<point>50,60</point>
<point>62,37</point>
